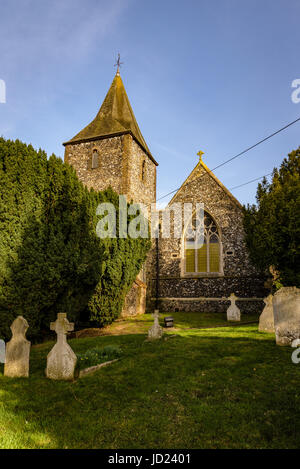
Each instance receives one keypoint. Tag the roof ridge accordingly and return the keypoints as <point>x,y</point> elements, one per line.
<point>209,171</point>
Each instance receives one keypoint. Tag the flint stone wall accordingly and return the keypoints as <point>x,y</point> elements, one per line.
<point>120,166</point>
<point>209,306</point>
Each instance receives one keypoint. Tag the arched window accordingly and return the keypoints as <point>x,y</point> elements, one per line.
<point>206,257</point>
<point>95,159</point>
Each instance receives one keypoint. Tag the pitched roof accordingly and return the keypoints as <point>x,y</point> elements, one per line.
<point>115,117</point>
<point>192,178</point>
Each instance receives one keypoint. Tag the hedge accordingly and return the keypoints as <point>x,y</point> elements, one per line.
<point>51,259</point>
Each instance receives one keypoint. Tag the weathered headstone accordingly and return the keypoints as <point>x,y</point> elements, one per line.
<point>155,331</point>
<point>286,306</point>
<point>2,351</point>
<point>233,312</point>
<point>61,360</point>
<point>17,350</point>
<point>266,319</point>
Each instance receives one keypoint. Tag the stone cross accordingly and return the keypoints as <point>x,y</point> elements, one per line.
<point>266,319</point>
<point>61,360</point>
<point>233,312</point>
<point>17,350</point>
<point>200,153</point>
<point>155,331</point>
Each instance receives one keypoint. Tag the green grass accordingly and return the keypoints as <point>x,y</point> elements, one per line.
<point>229,387</point>
<point>141,324</point>
<point>96,356</point>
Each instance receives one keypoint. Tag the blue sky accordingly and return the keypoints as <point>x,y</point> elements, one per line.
<point>209,75</point>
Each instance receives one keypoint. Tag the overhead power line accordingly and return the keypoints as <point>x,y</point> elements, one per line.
<point>235,156</point>
<point>249,182</point>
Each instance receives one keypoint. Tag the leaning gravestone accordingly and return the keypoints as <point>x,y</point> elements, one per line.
<point>266,319</point>
<point>286,305</point>
<point>17,350</point>
<point>155,331</point>
<point>61,360</point>
<point>233,312</point>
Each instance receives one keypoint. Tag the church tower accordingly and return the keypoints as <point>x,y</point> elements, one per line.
<point>111,150</point>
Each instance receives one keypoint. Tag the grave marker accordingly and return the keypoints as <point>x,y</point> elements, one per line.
<point>61,360</point>
<point>17,350</point>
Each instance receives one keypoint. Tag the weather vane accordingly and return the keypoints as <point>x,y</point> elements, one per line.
<point>118,64</point>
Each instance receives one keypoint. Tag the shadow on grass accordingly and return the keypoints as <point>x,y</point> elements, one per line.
<point>220,389</point>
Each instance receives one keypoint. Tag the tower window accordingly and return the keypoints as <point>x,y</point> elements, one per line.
<point>205,258</point>
<point>143,172</point>
<point>95,159</point>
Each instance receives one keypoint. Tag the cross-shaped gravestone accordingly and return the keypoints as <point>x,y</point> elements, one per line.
<point>155,331</point>
<point>233,312</point>
<point>61,360</point>
<point>17,350</point>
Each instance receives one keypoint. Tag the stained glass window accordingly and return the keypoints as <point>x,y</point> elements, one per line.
<point>203,257</point>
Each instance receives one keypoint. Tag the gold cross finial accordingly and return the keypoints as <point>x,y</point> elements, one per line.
<point>200,153</point>
<point>118,64</point>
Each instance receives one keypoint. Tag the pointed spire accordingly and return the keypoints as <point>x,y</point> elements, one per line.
<point>115,117</point>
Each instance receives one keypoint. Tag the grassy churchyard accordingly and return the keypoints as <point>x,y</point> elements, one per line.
<point>198,387</point>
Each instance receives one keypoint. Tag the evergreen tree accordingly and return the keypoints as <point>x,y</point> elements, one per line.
<point>273,226</point>
<point>51,259</point>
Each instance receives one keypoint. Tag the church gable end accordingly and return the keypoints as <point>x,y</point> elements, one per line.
<point>221,266</point>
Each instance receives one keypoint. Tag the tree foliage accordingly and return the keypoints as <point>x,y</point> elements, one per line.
<point>273,225</point>
<point>50,257</point>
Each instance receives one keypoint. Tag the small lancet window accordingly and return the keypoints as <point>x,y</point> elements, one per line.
<point>143,170</point>
<point>95,159</point>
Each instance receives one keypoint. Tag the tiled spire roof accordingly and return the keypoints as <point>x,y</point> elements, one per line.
<point>115,117</point>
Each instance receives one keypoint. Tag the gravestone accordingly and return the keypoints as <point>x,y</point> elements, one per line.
<point>17,350</point>
<point>233,312</point>
<point>155,331</point>
<point>2,351</point>
<point>286,305</point>
<point>266,319</point>
<point>61,360</point>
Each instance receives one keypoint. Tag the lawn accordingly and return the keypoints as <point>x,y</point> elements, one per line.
<point>225,387</point>
<point>140,324</point>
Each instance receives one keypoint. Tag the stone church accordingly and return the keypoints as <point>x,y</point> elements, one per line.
<point>111,151</point>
